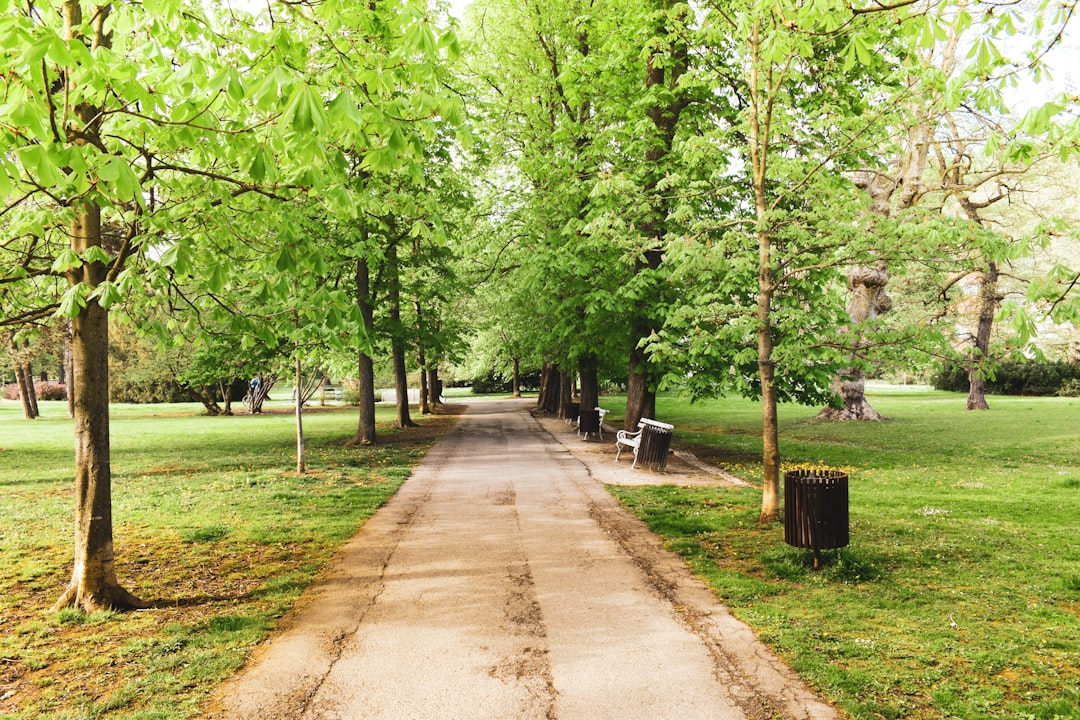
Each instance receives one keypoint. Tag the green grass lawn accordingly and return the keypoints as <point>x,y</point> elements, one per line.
<point>213,528</point>
<point>959,596</point>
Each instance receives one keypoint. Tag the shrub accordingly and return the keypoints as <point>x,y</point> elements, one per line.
<point>50,390</point>
<point>11,391</point>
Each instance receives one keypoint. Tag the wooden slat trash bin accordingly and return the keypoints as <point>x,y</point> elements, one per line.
<point>816,510</point>
<point>652,452</point>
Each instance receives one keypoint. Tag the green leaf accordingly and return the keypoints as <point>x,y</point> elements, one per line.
<point>66,260</point>
<point>107,294</point>
<point>96,254</point>
<point>74,300</point>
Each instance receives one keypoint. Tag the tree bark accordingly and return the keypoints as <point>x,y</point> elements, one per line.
<point>547,400</point>
<point>516,365</point>
<point>770,432</point>
<point>566,395</point>
<point>69,363</point>
<point>26,389</point>
<point>365,432</point>
<point>663,69</point>
<point>401,377</point>
<point>988,304</point>
<point>867,300</point>
<point>434,391</point>
<point>301,457</point>
<point>590,387</point>
<point>94,585</point>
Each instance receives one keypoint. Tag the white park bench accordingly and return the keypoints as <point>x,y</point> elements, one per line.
<point>602,412</point>
<point>631,440</point>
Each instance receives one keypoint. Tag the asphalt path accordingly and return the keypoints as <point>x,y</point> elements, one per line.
<point>502,581</point>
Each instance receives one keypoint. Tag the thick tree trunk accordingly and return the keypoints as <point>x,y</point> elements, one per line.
<point>590,387</point>
<point>547,400</point>
<point>94,585</point>
<point>866,302</point>
<point>365,432</point>
<point>516,372</point>
<point>640,398</point>
<point>209,400</point>
<point>988,305</point>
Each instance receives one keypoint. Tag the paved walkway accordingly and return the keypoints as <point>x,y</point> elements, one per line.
<point>503,582</point>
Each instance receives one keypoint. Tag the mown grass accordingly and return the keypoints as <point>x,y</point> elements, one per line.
<point>213,528</point>
<point>959,596</point>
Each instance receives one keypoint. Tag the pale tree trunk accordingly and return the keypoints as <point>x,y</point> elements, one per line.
<point>760,130</point>
<point>867,300</point>
<point>69,364</point>
<point>770,427</point>
<point>301,457</point>
<point>365,432</point>
<point>988,304</point>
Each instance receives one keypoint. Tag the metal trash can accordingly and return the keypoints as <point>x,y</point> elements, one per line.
<point>816,510</point>
<point>588,422</point>
<point>654,445</point>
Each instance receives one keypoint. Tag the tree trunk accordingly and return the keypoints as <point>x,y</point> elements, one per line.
<point>69,363</point>
<point>301,458</point>
<point>547,400</point>
<point>640,398</point>
<point>516,365</point>
<point>988,304</point>
<point>226,397</point>
<point>31,389</point>
<point>365,432</point>
<point>866,302</point>
<point>665,65</point>
<point>209,400</point>
<point>566,395</point>
<point>401,377</point>
<point>590,387</point>
<point>94,585</point>
<point>434,391</point>
<point>770,433</point>
<point>26,389</point>
<point>421,363</point>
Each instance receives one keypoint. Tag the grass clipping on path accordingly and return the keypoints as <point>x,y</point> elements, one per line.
<point>212,528</point>
<point>959,596</point>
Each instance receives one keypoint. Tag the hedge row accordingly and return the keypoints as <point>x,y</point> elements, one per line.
<point>1016,378</point>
